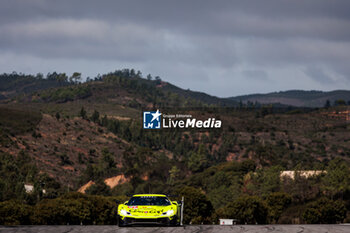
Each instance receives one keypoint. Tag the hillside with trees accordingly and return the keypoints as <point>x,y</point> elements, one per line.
<point>299,98</point>
<point>61,137</point>
<point>21,84</point>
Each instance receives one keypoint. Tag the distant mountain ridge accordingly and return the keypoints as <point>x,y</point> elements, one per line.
<point>298,98</point>
<point>14,84</point>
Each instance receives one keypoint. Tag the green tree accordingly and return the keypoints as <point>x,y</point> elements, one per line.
<point>82,113</point>
<point>248,209</point>
<point>224,194</point>
<point>196,204</point>
<point>62,211</point>
<point>14,172</point>
<point>107,158</point>
<point>158,80</point>
<point>198,160</point>
<point>57,115</point>
<point>325,211</point>
<point>65,159</point>
<point>14,213</point>
<point>95,117</point>
<point>104,121</point>
<point>75,208</point>
<point>104,210</point>
<point>277,203</point>
<point>75,78</point>
<point>266,180</point>
<point>62,78</point>
<point>99,188</point>
<point>81,158</point>
<point>173,174</point>
<point>39,76</point>
<point>337,179</point>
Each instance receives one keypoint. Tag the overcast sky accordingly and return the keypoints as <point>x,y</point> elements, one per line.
<point>224,48</point>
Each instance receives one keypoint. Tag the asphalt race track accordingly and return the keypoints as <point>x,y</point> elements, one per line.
<point>343,228</point>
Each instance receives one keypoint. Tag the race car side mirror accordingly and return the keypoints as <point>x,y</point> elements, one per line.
<point>125,202</point>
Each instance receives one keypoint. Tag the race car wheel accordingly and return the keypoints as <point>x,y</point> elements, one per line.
<point>120,222</point>
<point>174,222</point>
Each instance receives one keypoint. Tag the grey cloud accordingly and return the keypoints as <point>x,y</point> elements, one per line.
<point>271,17</point>
<point>88,39</point>
<point>92,39</point>
<point>228,40</point>
<point>256,74</point>
<point>318,75</point>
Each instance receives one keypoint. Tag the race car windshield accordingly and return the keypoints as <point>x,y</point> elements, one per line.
<point>148,200</point>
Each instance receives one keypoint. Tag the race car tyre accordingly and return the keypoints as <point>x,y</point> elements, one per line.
<point>120,222</point>
<point>174,222</point>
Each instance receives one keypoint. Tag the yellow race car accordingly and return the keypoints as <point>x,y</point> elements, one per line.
<point>149,209</point>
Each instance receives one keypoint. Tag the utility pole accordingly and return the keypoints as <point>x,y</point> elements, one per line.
<point>182,210</point>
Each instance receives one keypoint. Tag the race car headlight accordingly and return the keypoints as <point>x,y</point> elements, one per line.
<point>124,212</point>
<point>168,213</point>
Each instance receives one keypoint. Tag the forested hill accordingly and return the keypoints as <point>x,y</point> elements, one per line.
<point>201,96</point>
<point>15,84</point>
<point>299,98</point>
<point>66,136</point>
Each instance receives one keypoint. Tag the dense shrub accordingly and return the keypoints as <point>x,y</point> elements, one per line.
<point>14,213</point>
<point>277,203</point>
<point>76,208</point>
<point>325,211</point>
<point>71,208</point>
<point>197,208</point>
<point>248,209</point>
<point>62,95</point>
